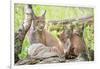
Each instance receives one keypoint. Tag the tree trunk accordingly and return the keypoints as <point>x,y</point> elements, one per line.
<point>20,34</point>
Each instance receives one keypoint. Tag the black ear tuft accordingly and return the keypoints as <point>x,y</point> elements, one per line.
<point>30,6</point>
<point>34,16</point>
<point>44,13</point>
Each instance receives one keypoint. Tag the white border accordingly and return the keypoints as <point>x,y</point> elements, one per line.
<point>74,3</point>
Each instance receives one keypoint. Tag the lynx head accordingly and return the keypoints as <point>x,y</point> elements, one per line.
<point>78,28</point>
<point>39,22</point>
<point>66,34</point>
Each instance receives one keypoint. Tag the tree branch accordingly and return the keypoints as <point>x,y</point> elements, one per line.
<point>67,21</point>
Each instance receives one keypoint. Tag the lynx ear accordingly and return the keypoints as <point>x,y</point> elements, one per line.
<point>44,13</point>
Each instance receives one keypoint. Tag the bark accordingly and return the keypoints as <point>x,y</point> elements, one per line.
<point>20,34</point>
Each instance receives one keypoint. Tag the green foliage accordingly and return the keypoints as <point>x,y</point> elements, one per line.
<point>89,36</point>
<point>18,16</point>
<point>53,13</point>
<point>54,33</point>
<point>25,45</point>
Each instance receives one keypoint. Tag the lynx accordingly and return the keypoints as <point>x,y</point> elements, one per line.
<point>65,37</point>
<point>37,34</point>
<point>78,47</point>
<point>74,43</point>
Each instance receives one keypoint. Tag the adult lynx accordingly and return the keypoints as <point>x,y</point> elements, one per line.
<point>37,34</point>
